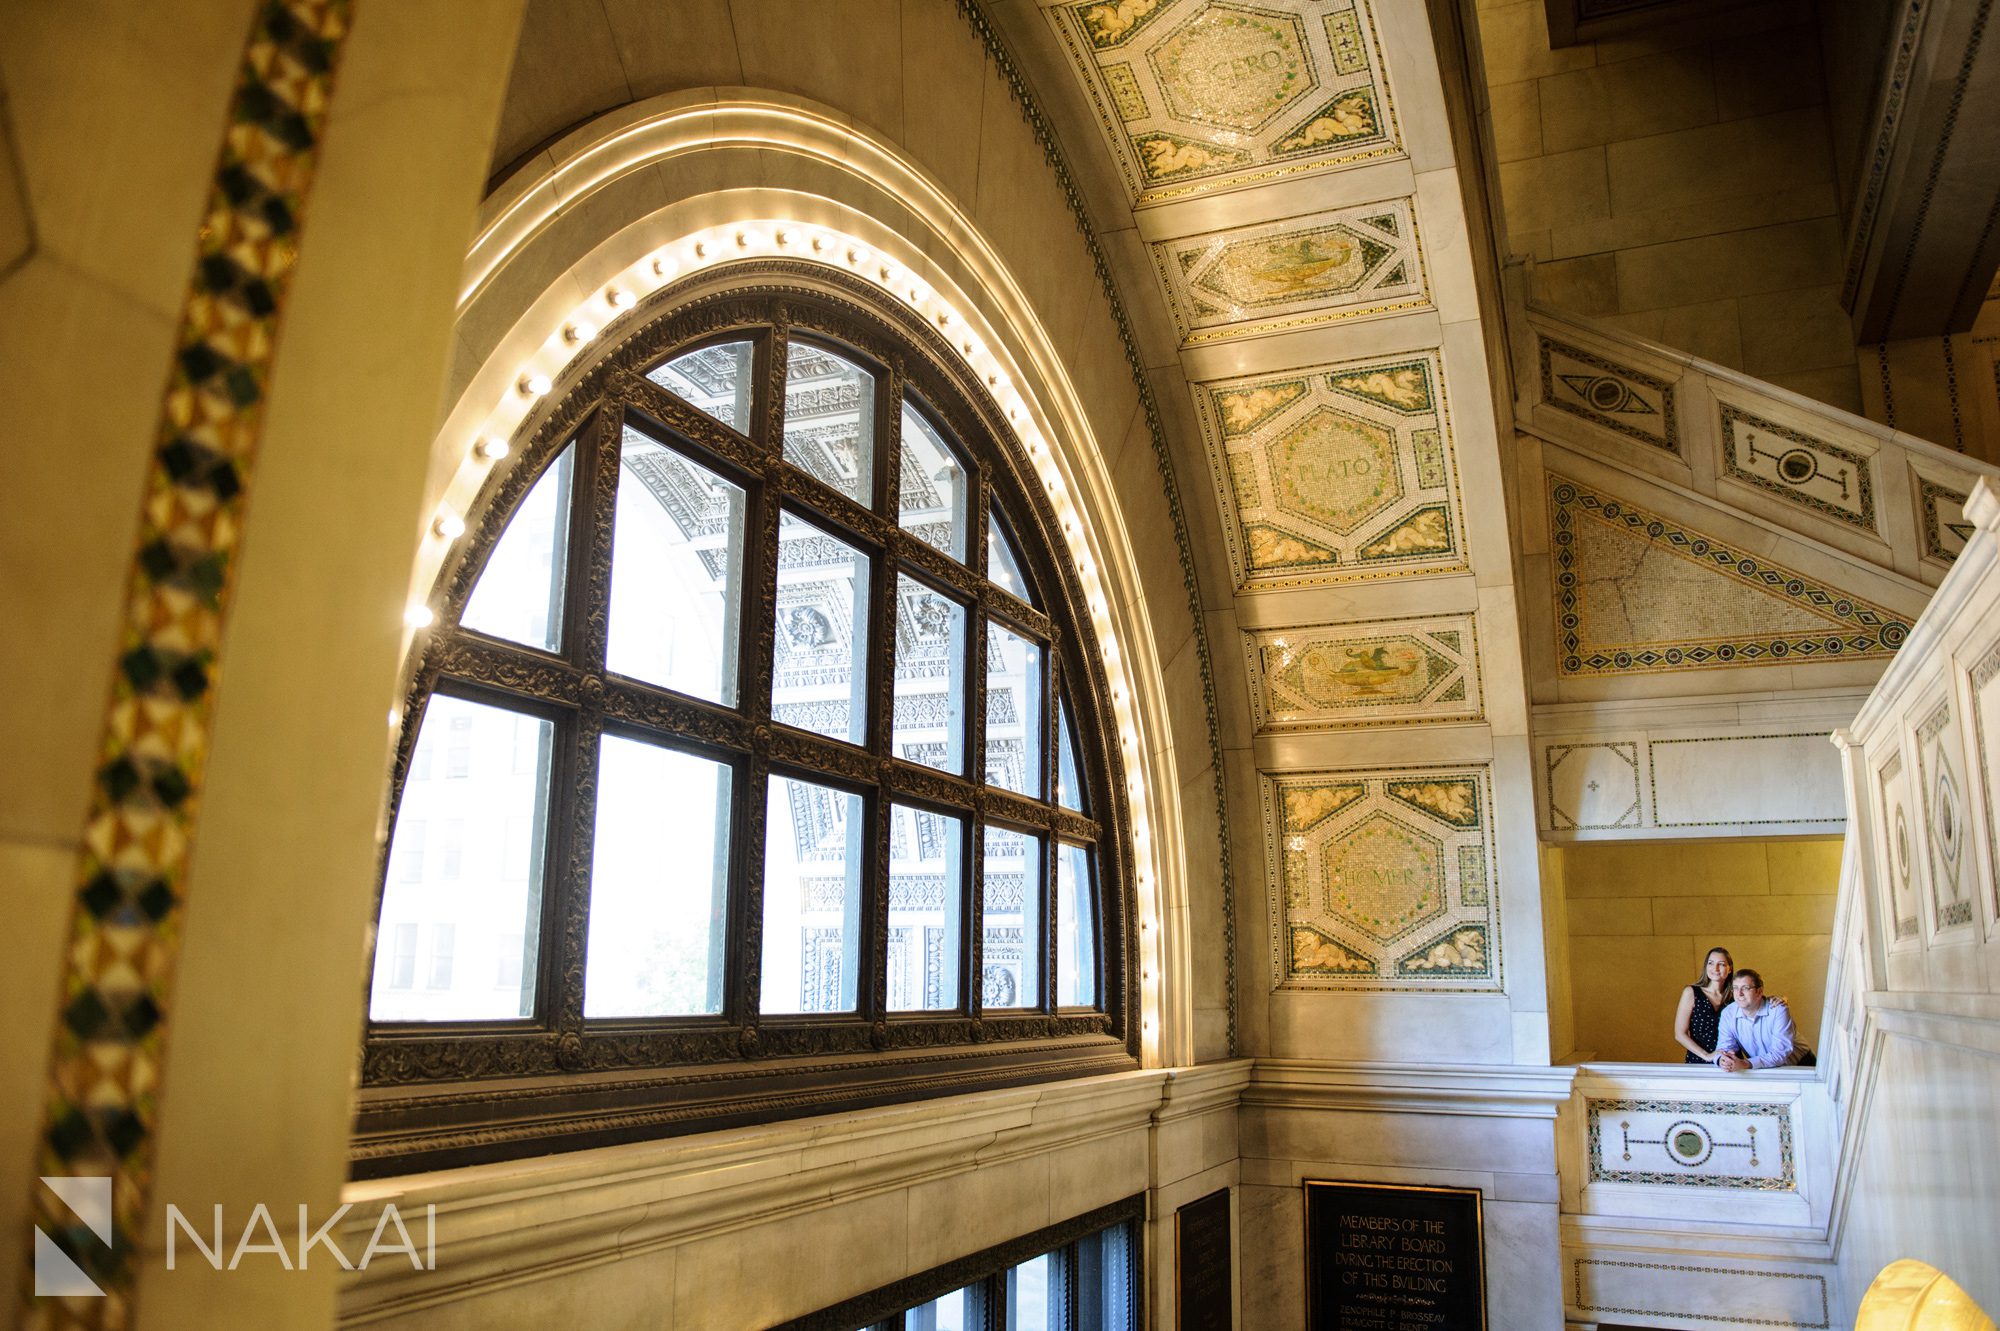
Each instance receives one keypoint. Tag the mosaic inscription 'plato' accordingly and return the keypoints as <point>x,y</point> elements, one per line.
<point>1336,472</point>
<point>1368,674</point>
<point>1195,95</point>
<point>1353,263</point>
<point>1383,880</point>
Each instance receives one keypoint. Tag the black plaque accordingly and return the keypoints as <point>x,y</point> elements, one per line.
<point>1201,1265</point>
<point>1385,1257</point>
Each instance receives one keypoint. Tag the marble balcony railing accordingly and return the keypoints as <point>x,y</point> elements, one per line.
<point>1826,476</point>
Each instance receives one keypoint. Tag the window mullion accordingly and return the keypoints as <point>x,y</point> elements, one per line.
<point>570,914</point>
<point>596,504</point>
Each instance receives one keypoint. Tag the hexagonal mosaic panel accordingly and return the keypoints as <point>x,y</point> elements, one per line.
<point>1197,95</point>
<point>1348,263</point>
<point>1335,472</point>
<point>1383,880</point>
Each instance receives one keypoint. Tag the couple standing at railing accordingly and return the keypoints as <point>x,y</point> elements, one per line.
<point>1725,1019</point>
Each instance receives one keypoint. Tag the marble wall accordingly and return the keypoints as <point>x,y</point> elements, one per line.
<point>1642,916</point>
<point>1679,182</point>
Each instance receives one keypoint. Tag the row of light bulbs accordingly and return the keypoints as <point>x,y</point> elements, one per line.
<point>718,244</point>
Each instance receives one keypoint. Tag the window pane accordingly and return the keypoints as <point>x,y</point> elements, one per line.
<point>830,420</point>
<point>658,883</point>
<point>1011,931</point>
<point>820,679</point>
<point>520,591</point>
<point>1013,711</point>
<point>1069,785</point>
<point>1076,929</point>
<point>714,379</point>
<point>931,487</point>
<point>1028,1295</point>
<point>945,1314</point>
<point>676,572</point>
<point>813,842</point>
<point>1003,566</point>
<point>458,910</point>
<point>926,884</point>
<point>930,677</point>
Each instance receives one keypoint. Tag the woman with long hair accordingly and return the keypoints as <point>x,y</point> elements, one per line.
<point>1699,1016</point>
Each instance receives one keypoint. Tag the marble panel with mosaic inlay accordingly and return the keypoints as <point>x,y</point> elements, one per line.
<point>1398,671</point>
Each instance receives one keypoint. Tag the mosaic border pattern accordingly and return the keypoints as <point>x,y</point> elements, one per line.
<point>1112,91</point>
<point>1863,516</point>
<point>1786,1181</point>
<point>1669,439</point>
<point>1825,1310</point>
<point>1653,789</point>
<point>1554,755</point>
<point>1871,630</point>
<point>1896,847</point>
<point>109,1048</point>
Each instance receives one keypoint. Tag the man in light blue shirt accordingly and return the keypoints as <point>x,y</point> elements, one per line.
<point>1756,1032</point>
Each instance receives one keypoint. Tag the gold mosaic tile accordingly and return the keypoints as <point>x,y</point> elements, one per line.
<point>1398,671</point>
<point>1335,472</point>
<point>1196,96</point>
<point>1383,880</point>
<point>1345,263</point>
<point>109,1046</point>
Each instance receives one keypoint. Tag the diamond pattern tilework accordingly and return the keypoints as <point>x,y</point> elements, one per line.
<point>1637,593</point>
<point>110,1040</point>
<point>1195,95</point>
<point>1383,880</point>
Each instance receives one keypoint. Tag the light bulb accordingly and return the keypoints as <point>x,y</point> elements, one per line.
<point>534,385</point>
<point>577,332</point>
<point>419,616</point>
<point>491,449</point>
<point>664,267</point>
<point>618,298</point>
<point>448,525</point>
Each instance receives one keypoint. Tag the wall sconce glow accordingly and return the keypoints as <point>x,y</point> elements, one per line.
<point>419,616</point>
<point>491,449</point>
<point>618,298</point>
<point>532,384</point>
<point>448,525</point>
<point>577,332</point>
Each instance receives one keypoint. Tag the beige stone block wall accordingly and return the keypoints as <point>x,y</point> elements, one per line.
<point>1944,389</point>
<point>1642,915</point>
<point>1678,182</point>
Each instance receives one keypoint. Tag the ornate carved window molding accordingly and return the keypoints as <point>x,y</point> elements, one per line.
<point>995,985</point>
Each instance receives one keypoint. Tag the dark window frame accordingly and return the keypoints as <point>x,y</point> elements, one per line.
<point>435,1095</point>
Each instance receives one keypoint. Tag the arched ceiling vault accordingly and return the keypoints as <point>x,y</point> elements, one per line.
<point>1272,196</point>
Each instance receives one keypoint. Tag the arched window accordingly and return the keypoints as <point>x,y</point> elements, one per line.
<point>756,762</point>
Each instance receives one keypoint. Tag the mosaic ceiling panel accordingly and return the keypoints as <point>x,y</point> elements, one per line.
<point>1638,593</point>
<point>1398,671</point>
<point>1196,96</point>
<point>1335,472</point>
<point>1383,880</point>
<point>1344,263</point>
